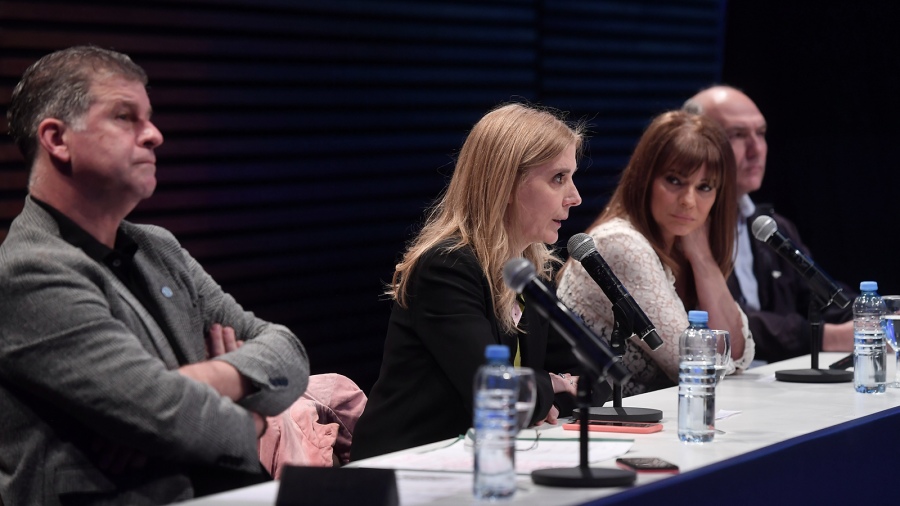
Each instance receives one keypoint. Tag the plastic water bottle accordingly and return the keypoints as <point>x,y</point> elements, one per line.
<point>496,391</point>
<point>869,360</point>
<point>697,381</point>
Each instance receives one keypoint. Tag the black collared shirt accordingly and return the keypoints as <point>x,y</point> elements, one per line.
<point>119,260</point>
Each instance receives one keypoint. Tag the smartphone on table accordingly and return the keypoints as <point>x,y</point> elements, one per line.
<point>646,465</point>
<point>606,426</point>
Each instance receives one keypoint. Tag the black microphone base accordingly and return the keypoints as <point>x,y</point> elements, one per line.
<point>622,414</point>
<point>581,477</point>
<point>814,376</point>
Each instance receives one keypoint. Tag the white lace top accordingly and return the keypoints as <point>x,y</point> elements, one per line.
<point>635,263</point>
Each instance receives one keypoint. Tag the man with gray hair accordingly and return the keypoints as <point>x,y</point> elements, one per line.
<point>771,292</point>
<point>127,375</point>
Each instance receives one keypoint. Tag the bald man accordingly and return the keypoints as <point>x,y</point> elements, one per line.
<point>771,292</point>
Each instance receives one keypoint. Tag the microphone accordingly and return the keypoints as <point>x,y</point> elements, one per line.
<point>766,230</point>
<point>581,247</point>
<point>591,351</point>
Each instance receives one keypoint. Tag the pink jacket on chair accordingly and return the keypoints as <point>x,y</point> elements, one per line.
<point>317,428</point>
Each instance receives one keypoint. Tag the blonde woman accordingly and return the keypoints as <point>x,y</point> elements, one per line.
<point>510,191</point>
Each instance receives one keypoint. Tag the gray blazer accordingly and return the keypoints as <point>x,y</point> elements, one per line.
<point>82,361</point>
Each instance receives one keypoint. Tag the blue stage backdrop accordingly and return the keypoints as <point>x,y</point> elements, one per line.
<point>304,139</point>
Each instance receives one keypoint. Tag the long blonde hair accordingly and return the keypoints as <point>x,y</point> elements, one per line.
<point>496,156</point>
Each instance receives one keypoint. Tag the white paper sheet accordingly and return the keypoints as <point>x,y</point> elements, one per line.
<point>457,457</point>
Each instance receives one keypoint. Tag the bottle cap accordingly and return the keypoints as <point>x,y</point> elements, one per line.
<point>868,286</point>
<point>698,316</point>
<point>496,352</point>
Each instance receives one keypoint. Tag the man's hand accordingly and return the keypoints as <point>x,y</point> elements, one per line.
<point>222,376</point>
<point>261,423</point>
<point>220,341</point>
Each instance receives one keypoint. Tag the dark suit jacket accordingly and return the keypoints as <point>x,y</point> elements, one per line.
<point>433,348</point>
<point>781,328</point>
<point>81,360</point>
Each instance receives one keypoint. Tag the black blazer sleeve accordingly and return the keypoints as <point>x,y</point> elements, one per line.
<point>781,327</point>
<point>453,313</point>
<point>432,351</point>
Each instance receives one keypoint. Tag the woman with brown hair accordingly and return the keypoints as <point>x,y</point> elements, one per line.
<point>510,191</point>
<point>668,234</point>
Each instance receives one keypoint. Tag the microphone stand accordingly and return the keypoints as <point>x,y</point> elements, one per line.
<point>583,475</point>
<point>814,374</point>
<point>598,362</point>
<point>622,329</point>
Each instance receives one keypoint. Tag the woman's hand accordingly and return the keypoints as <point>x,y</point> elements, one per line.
<point>561,383</point>
<point>695,245</point>
<point>712,291</point>
<point>837,336</point>
<point>551,417</point>
<point>564,383</point>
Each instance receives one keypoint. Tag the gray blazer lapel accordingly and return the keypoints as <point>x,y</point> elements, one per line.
<point>157,337</point>
<point>36,218</point>
<point>174,298</point>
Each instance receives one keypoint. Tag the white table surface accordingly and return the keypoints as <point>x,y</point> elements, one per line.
<point>769,412</point>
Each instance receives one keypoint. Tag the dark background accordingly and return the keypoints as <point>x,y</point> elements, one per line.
<point>304,139</point>
<point>826,76</point>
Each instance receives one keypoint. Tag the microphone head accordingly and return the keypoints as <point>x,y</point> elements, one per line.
<point>580,246</point>
<point>652,339</point>
<point>517,273</point>
<point>764,227</point>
